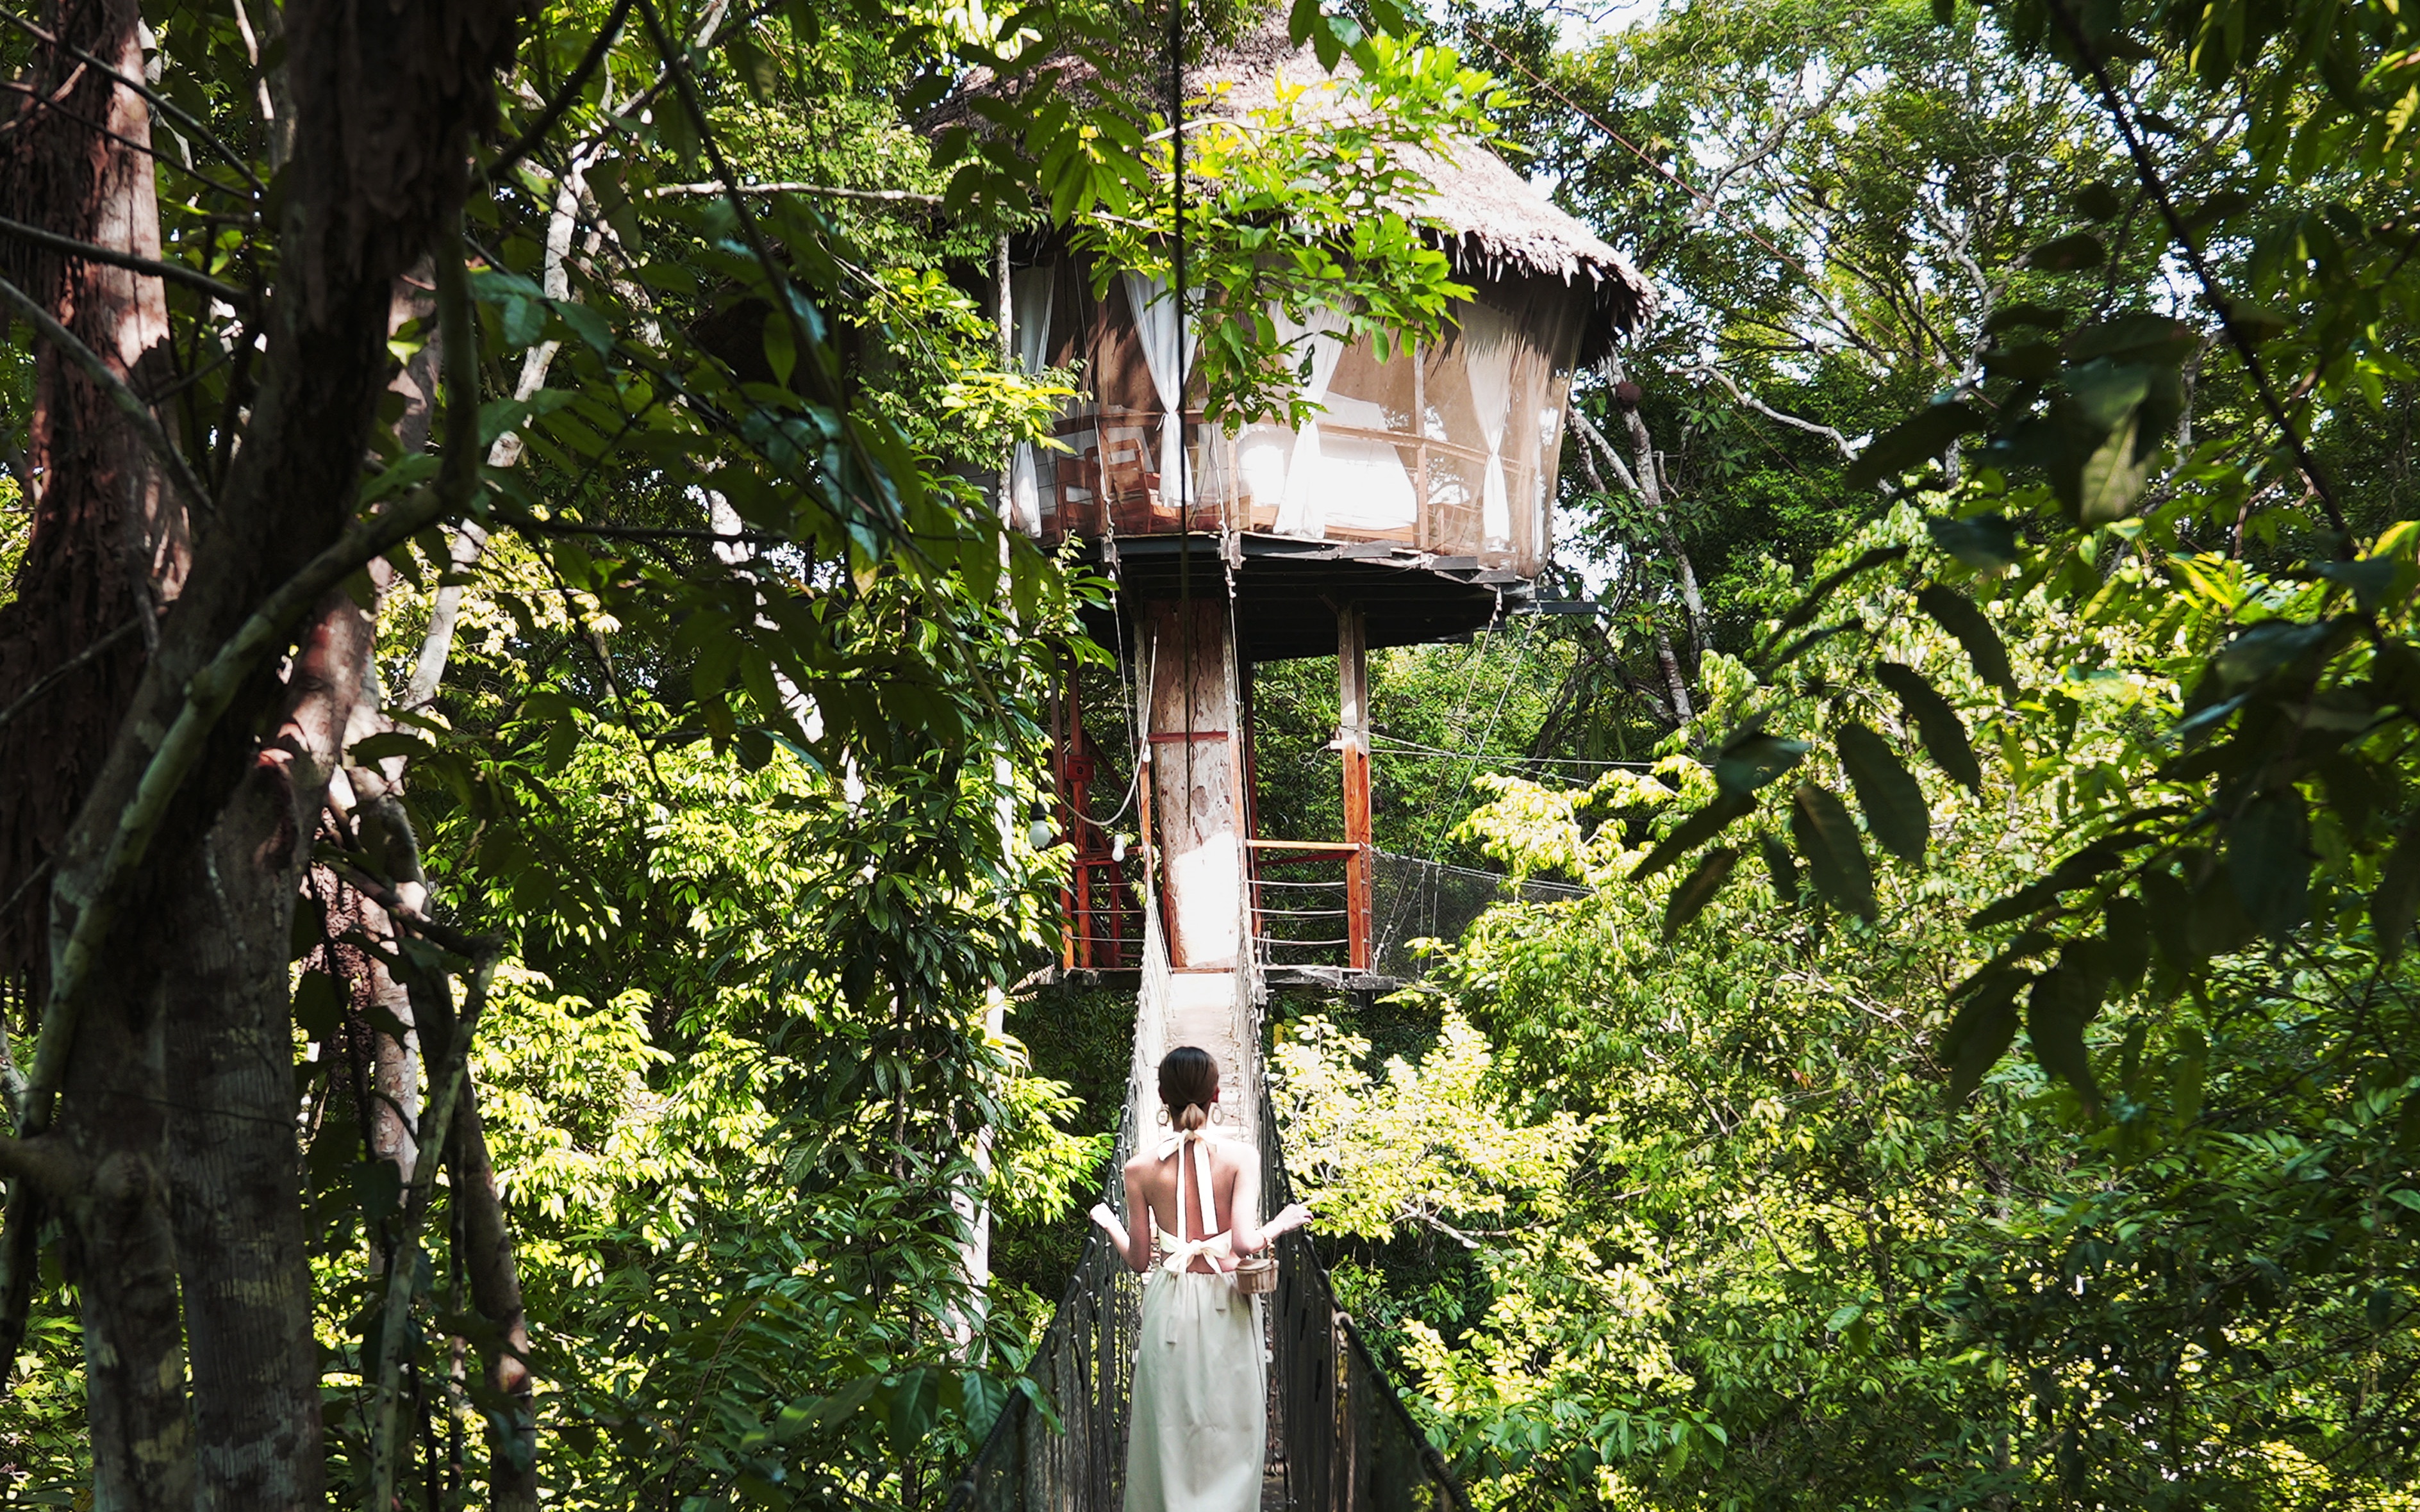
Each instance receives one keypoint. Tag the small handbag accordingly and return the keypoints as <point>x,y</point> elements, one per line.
<point>1257,1276</point>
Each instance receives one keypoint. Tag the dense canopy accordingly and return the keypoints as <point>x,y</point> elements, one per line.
<point>528,866</point>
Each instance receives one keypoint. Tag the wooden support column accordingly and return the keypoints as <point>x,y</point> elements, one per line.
<point>1353,739</point>
<point>1196,783</point>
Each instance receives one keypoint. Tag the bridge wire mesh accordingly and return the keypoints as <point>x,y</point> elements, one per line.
<point>1343,1441</point>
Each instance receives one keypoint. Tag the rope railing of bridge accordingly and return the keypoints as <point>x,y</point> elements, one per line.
<point>1341,1439</point>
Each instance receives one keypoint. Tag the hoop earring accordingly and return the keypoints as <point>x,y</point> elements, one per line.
<point>1160,1117</point>
<point>1217,1114</point>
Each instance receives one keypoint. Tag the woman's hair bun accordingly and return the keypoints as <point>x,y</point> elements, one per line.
<point>1189,1080</point>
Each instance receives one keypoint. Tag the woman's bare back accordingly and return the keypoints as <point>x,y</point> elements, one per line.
<point>1150,1184</point>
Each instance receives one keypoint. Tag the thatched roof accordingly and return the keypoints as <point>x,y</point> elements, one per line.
<point>1496,225</point>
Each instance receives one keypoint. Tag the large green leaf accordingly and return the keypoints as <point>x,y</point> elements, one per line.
<point>1984,1027</point>
<point>2269,861</point>
<point>1956,613</point>
<point>1781,867</point>
<point>1751,760</point>
<point>1944,732</point>
<point>2397,901</point>
<point>1915,440</point>
<point>2064,1000</point>
<point>1983,542</point>
<point>1895,812</point>
<point>2066,876</point>
<point>1807,607</point>
<point>1693,832</point>
<point>2126,941</point>
<point>1827,837</point>
<point>1697,888</point>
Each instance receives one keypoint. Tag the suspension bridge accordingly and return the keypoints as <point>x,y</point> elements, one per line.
<point>1340,1437</point>
<point>1417,508</point>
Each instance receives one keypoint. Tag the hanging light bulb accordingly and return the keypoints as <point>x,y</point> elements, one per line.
<point>1040,835</point>
<point>1117,848</point>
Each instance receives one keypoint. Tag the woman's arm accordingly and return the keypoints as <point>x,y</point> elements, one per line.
<point>1250,1237</point>
<point>1133,1236</point>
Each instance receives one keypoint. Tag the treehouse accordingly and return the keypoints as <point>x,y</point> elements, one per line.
<point>1416,505</point>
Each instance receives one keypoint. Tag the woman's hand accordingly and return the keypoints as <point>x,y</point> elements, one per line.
<point>1294,1215</point>
<point>1108,1220</point>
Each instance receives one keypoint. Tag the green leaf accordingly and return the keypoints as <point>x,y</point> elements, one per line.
<point>2067,253</point>
<point>1985,1027</point>
<point>2216,923</point>
<point>2125,934</point>
<point>2368,580</point>
<point>1957,614</point>
<point>2008,317</point>
<point>1984,542</point>
<point>318,1004</point>
<point>1694,831</point>
<point>1826,836</point>
<point>2394,906</point>
<point>387,743</point>
<point>1916,440</point>
<point>1751,760</point>
<point>2115,474</point>
<point>524,321</point>
<point>2064,1001</point>
<point>1936,721</point>
<point>1807,608</point>
<point>2269,861</point>
<point>1781,867</point>
<point>1698,889</point>
<point>1895,812</point>
<point>2097,201</point>
<point>2066,876</point>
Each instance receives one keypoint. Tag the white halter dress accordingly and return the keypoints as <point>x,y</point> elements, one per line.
<point>1200,1426</point>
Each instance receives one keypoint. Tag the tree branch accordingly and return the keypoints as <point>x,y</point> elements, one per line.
<point>166,271</point>
<point>2149,172</point>
<point>206,697</point>
<point>1848,452</point>
<point>147,425</point>
<point>43,1162</point>
<point>555,109</point>
<point>907,196</point>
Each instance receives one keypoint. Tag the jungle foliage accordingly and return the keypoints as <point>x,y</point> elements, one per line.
<point>2052,694</point>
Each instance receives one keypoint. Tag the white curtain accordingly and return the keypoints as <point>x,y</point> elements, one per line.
<point>1487,350</point>
<point>1030,295</point>
<point>1302,511</point>
<point>1167,350</point>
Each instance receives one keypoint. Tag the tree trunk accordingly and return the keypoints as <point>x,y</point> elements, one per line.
<point>496,1292</point>
<point>383,97</point>
<point>107,546</point>
<point>106,538</point>
<point>239,1240</point>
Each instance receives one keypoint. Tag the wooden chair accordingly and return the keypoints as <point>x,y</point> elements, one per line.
<point>1131,487</point>
<point>1080,511</point>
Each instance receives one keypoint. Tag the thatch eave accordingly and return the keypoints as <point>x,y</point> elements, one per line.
<point>1492,224</point>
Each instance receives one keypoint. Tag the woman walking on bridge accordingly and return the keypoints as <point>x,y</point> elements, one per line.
<point>1199,1426</point>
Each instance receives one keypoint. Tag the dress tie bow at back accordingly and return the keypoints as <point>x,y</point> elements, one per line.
<point>1180,1249</point>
